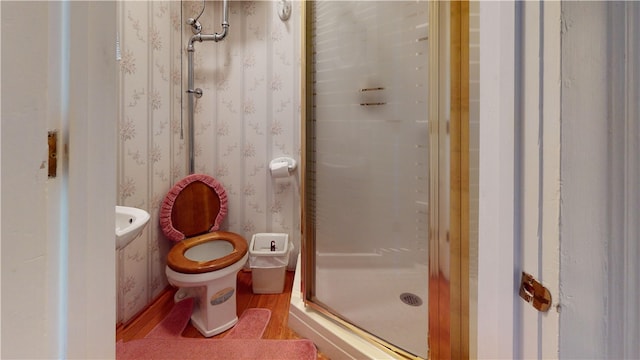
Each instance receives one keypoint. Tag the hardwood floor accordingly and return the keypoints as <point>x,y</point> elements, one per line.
<point>277,303</point>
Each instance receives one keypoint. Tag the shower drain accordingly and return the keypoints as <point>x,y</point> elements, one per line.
<point>411,299</point>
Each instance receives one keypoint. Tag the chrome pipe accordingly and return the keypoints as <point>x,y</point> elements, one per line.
<point>190,82</point>
<point>225,20</point>
<point>190,110</point>
<point>196,27</point>
<point>216,36</point>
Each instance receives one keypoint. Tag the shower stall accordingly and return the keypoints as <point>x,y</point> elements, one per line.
<point>376,133</point>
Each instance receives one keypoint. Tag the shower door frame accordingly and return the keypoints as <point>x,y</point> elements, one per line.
<point>458,344</point>
<point>448,330</point>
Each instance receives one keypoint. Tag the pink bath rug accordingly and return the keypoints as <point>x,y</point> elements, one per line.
<point>251,324</point>
<point>174,323</point>
<point>214,349</point>
<point>241,342</point>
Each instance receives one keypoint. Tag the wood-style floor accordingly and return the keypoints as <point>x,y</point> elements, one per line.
<point>277,303</point>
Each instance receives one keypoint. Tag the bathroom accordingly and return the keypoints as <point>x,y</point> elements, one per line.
<point>247,116</point>
<point>66,301</point>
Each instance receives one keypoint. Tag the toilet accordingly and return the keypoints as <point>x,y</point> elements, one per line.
<point>204,262</point>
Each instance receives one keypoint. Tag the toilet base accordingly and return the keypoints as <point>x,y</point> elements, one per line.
<point>214,310</point>
<point>211,332</point>
<point>200,317</point>
<point>214,294</point>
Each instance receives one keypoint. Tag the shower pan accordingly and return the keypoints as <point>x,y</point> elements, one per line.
<point>375,215</point>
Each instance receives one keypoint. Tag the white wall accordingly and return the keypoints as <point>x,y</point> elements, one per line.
<point>585,175</point>
<point>600,176</point>
<point>151,155</point>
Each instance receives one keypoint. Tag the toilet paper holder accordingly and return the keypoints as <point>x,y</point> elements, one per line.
<point>291,163</point>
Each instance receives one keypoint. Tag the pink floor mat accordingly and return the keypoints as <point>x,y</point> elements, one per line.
<point>241,342</point>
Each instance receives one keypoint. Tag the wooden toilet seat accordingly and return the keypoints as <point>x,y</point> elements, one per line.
<point>190,215</point>
<point>177,261</point>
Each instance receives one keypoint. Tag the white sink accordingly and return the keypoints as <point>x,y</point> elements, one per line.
<point>130,222</point>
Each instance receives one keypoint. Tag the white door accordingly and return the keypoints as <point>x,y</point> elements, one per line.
<point>58,251</point>
<point>25,265</point>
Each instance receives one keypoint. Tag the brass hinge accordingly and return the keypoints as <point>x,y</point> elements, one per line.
<point>52,139</point>
<point>533,292</point>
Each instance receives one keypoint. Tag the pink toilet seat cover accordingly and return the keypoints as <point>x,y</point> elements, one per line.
<point>167,205</point>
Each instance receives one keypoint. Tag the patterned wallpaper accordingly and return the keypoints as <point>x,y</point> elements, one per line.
<point>248,115</point>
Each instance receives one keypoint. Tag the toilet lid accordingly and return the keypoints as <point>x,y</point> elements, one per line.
<point>195,205</point>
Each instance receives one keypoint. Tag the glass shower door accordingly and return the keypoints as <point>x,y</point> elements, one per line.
<point>368,157</point>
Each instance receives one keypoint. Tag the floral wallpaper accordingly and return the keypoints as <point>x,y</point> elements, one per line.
<point>249,114</point>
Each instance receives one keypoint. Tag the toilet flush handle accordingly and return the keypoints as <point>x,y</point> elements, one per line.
<point>273,245</point>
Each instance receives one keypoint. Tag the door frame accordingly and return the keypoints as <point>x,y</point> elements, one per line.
<point>519,141</point>
<point>459,181</point>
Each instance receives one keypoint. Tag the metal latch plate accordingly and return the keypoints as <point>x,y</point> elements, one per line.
<point>533,292</point>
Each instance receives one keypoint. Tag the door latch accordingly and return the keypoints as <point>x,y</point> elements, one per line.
<point>533,292</point>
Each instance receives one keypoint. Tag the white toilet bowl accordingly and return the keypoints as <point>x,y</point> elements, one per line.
<point>214,293</point>
<point>205,262</point>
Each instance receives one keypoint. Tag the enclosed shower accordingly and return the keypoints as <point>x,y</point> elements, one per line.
<point>369,156</point>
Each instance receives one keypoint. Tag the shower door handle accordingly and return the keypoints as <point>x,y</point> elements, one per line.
<point>372,103</point>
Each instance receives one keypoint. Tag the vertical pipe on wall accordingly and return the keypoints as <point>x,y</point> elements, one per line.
<point>198,92</point>
<point>190,105</point>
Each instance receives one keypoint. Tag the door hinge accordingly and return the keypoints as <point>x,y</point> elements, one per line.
<point>533,292</point>
<point>52,139</point>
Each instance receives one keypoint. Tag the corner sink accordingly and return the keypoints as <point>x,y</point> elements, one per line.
<point>130,222</point>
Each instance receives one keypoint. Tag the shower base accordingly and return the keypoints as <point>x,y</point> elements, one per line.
<point>381,312</point>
